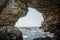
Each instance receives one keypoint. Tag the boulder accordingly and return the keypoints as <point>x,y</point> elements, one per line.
<point>10,33</point>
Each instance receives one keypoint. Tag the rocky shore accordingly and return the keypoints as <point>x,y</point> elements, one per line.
<point>46,38</point>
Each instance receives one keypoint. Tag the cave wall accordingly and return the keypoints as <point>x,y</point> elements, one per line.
<point>50,10</point>
<point>13,9</point>
<point>11,12</point>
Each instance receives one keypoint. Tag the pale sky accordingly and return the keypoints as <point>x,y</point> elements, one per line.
<point>33,18</point>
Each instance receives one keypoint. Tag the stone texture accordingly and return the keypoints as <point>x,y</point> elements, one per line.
<point>13,9</point>
<point>46,38</point>
<point>10,33</point>
<point>12,12</point>
<point>50,10</point>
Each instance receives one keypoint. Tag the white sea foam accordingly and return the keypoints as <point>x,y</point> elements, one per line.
<point>25,36</point>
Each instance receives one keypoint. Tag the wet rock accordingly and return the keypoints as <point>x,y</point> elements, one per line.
<point>25,28</point>
<point>46,38</point>
<point>10,33</point>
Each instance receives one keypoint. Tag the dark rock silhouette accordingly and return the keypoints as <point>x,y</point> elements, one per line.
<point>10,33</point>
<point>46,38</point>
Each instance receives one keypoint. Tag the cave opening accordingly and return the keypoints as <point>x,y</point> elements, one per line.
<point>29,25</point>
<point>33,18</point>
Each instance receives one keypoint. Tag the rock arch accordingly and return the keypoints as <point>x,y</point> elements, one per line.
<point>50,11</point>
<point>13,9</point>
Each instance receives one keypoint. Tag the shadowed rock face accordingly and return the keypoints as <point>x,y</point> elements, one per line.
<point>11,12</point>
<point>10,33</point>
<point>13,9</point>
<point>46,38</point>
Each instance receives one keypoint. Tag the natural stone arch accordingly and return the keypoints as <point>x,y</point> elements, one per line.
<point>50,11</point>
<point>13,9</point>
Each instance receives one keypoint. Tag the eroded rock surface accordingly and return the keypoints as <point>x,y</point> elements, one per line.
<point>13,9</point>
<point>10,12</point>
<point>10,33</point>
<point>46,38</point>
<point>50,10</point>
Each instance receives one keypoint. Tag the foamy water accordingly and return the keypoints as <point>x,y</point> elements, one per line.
<point>33,33</point>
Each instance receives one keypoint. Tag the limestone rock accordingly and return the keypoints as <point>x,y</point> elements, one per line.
<point>12,12</point>
<point>10,33</point>
<point>13,9</point>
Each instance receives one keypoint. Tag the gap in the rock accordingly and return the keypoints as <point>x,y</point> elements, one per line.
<point>29,25</point>
<point>33,18</point>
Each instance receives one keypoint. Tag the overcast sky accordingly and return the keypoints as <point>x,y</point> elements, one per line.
<point>33,18</point>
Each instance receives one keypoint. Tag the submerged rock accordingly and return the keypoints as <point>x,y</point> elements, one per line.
<point>25,28</point>
<point>10,33</point>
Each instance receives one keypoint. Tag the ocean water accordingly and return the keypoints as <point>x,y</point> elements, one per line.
<point>35,32</point>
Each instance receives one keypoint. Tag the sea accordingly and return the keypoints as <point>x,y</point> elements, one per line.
<point>34,32</point>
